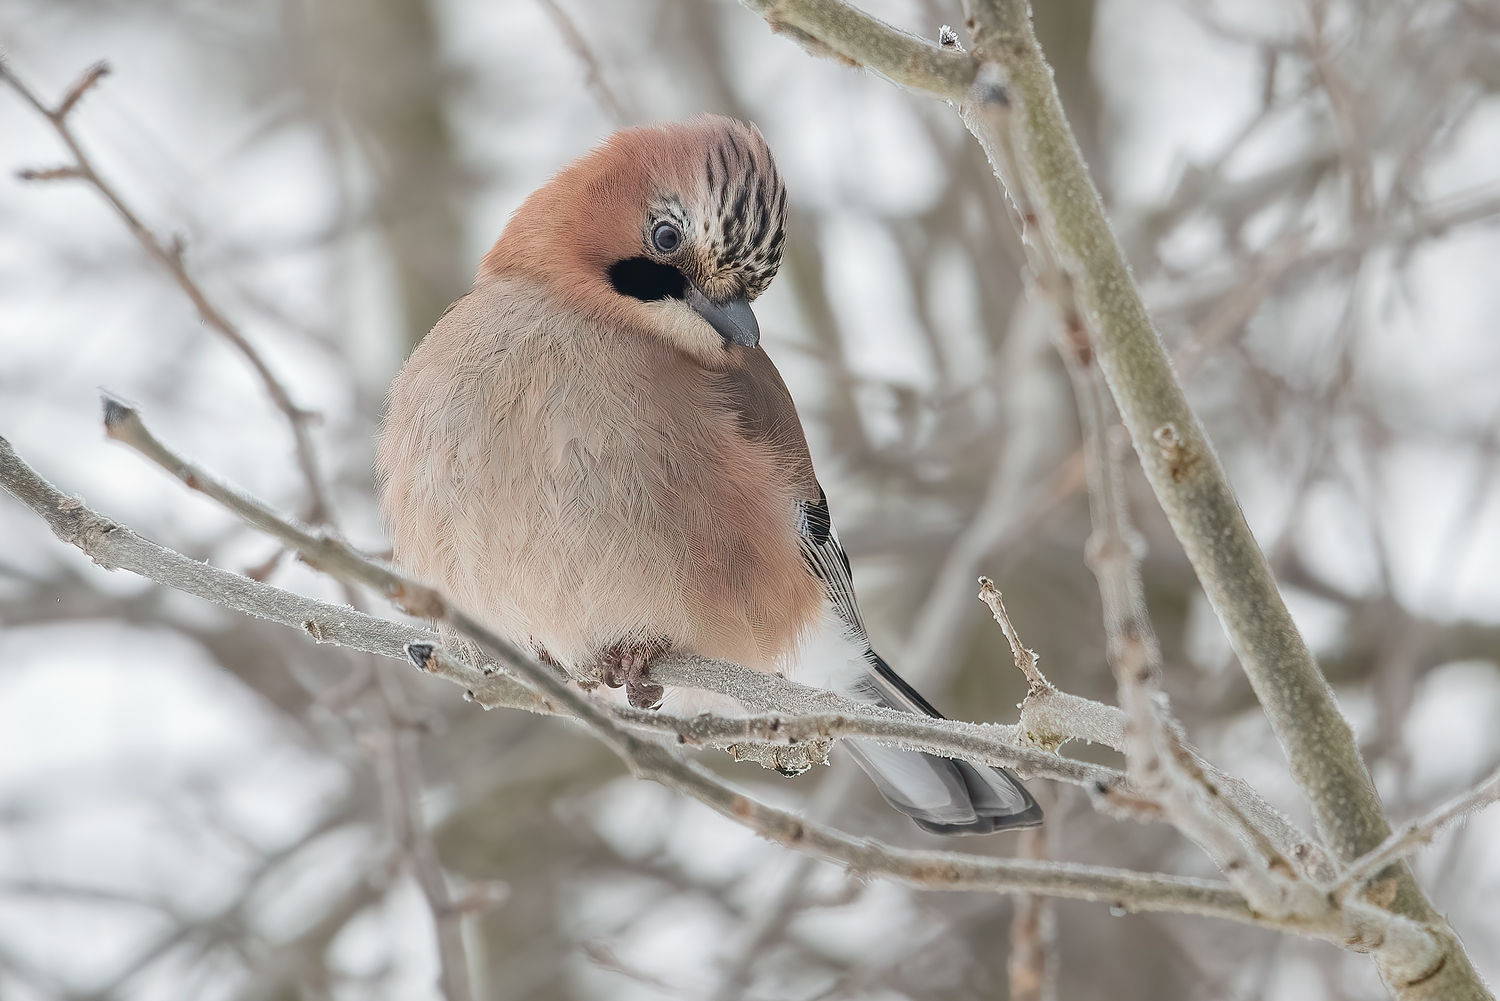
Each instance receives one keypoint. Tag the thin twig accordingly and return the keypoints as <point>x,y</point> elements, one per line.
<point>836,30</point>
<point>398,768</point>
<point>1158,760</point>
<point>603,92</point>
<point>1025,657</point>
<point>398,765</point>
<point>768,919</point>
<point>169,254</point>
<point>1417,834</point>
<point>1031,968</point>
<point>1175,453</point>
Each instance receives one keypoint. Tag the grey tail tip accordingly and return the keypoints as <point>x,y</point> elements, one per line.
<point>975,783</point>
<point>1028,818</point>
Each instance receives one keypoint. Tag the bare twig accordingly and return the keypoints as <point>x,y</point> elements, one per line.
<point>397,763</point>
<point>1157,757</point>
<point>1025,657</point>
<point>768,918</point>
<point>399,771</point>
<point>169,254</point>
<point>1174,449</point>
<point>1418,833</point>
<point>1050,717</point>
<point>836,30</point>
<point>603,92</point>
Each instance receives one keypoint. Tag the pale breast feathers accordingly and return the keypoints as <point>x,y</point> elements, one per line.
<point>579,486</point>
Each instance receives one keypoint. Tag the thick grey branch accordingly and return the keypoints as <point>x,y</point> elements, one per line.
<point>1054,190</point>
<point>836,30</point>
<point>1191,486</point>
<point>1173,447</point>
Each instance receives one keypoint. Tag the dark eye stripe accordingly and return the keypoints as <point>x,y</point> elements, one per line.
<point>644,279</point>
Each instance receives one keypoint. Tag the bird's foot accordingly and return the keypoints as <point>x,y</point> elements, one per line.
<point>629,665</point>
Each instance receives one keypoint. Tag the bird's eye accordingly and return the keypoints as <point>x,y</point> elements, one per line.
<point>666,237</point>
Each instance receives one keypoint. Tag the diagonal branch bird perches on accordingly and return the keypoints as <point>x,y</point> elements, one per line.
<point>112,545</point>
<point>115,546</point>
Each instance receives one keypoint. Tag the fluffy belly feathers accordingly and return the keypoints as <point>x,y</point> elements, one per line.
<point>576,514</point>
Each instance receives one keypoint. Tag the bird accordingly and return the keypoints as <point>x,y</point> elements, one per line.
<point>592,452</point>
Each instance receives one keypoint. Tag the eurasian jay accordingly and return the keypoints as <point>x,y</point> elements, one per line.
<point>591,452</point>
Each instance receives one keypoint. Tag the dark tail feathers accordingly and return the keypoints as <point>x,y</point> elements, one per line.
<point>942,795</point>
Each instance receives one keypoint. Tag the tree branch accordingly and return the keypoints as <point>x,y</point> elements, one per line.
<point>1189,483</point>
<point>813,714</point>
<point>396,762</point>
<point>1050,717</point>
<point>1417,834</point>
<point>170,256</point>
<point>1357,925</point>
<point>573,38</point>
<point>818,714</point>
<point>114,546</point>
<point>836,30</point>
<point>1173,447</point>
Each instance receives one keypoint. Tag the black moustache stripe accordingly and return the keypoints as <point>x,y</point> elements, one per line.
<point>644,279</point>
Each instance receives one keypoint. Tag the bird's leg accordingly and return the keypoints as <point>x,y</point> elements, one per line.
<point>629,664</point>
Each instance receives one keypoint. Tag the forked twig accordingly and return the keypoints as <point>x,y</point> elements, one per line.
<point>169,254</point>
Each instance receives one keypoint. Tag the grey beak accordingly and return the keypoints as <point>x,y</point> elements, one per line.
<point>733,319</point>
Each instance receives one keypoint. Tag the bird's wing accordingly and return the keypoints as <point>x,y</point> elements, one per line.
<point>942,795</point>
<point>821,549</point>
<point>766,414</point>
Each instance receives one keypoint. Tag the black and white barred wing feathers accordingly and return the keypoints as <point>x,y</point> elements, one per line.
<point>941,795</point>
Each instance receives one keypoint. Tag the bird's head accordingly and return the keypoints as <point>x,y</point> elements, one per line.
<point>671,229</point>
